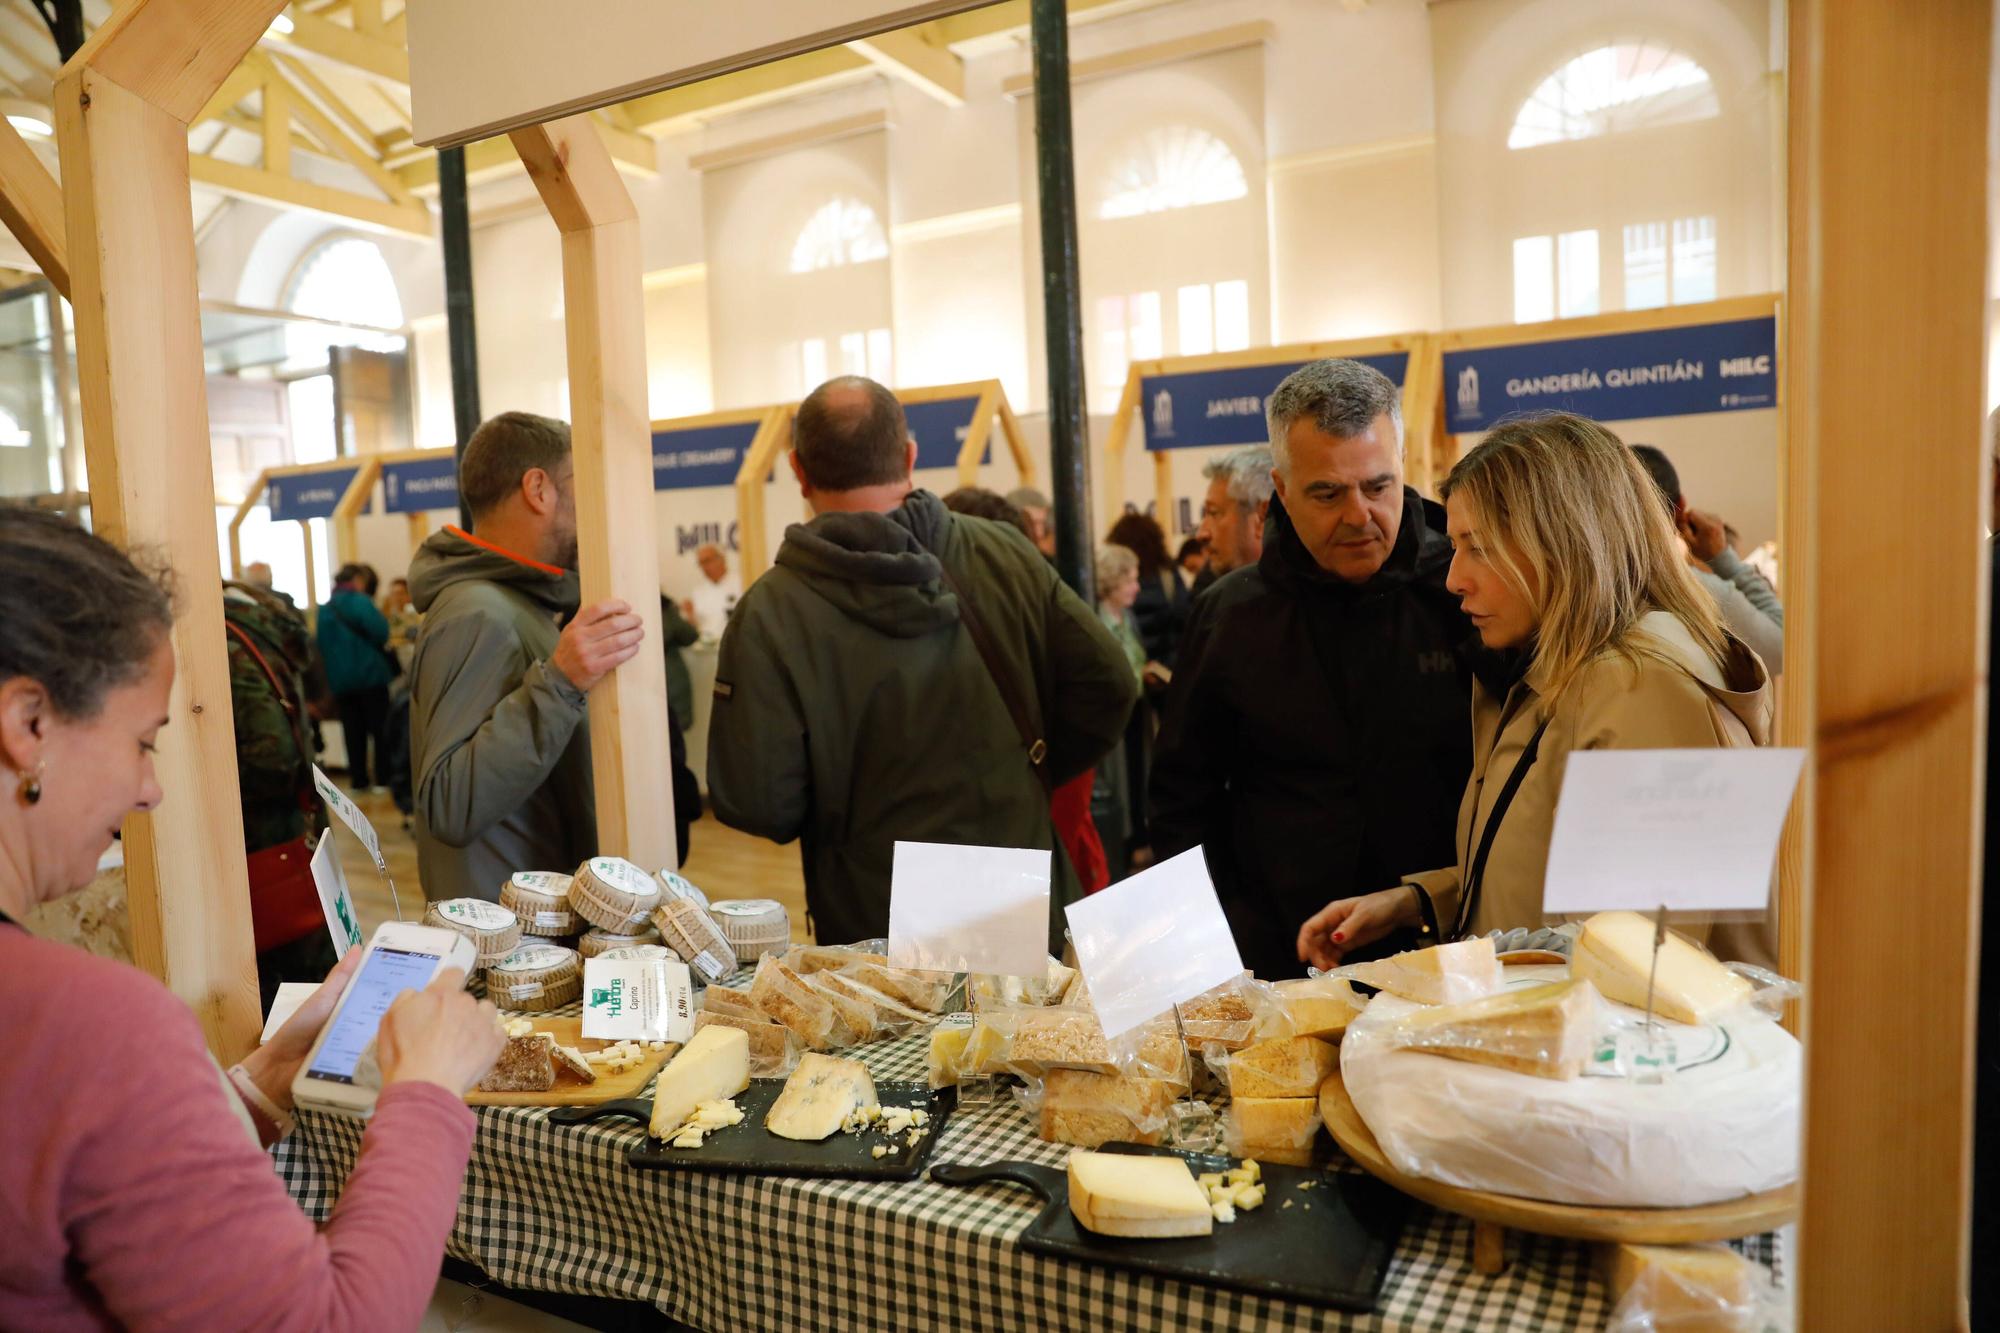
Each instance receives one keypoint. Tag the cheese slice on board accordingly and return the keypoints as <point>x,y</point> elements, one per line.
<point>713,1065</point>
<point>819,1096</point>
<point>1547,1031</point>
<point>1614,951</point>
<point>1282,1067</point>
<point>1442,974</point>
<point>1143,1197</point>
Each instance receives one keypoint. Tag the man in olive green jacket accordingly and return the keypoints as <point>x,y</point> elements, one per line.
<point>852,706</point>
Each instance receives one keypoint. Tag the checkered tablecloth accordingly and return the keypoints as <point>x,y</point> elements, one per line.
<point>555,1208</point>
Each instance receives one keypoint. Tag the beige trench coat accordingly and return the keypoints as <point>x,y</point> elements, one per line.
<point>1671,698</point>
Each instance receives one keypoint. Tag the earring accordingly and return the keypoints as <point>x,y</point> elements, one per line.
<point>31,787</point>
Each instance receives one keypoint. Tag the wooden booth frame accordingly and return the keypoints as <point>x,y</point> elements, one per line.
<point>753,538</point>
<point>340,523</point>
<point>1422,392</point>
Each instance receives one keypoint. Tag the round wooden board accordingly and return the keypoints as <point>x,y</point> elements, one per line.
<point>1748,1216</point>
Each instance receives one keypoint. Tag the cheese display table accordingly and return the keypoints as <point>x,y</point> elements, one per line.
<point>556,1208</point>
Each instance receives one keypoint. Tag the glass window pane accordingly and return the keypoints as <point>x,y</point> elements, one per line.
<point>1694,260</point>
<point>1534,279</point>
<point>311,404</point>
<point>881,367</point>
<point>1147,339</point>
<point>1111,361</point>
<point>812,363</point>
<point>1197,320</point>
<point>854,353</point>
<point>1578,283</point>
<point>1232,315</point>
<point>1645,265</point>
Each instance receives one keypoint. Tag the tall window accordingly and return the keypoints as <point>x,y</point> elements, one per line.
<point>1613,89</point>
<point>843,231</point>
<point>1556,276</point>
<point>1175,166</point>
<point>347,280</point>
<point>1669,263</point>
<point>859,352</point>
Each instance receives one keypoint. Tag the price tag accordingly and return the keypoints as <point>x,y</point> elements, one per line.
<point>349,814</point>
<point>1152,941</point>
<point>331,881</point>
<point>969,909</point>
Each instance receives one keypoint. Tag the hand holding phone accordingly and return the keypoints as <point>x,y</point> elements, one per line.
<point>439,1035</point>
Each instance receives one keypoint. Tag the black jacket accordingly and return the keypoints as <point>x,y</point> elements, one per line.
<point>1317,738</point>
<point>1162,611</point>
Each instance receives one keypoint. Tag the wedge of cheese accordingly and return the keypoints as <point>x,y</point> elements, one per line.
<point>1614,951</point>
<point>771,1045</point>
<point>1272,1129</point>
<point>1318,1006</point>
<point>713,1065</point>
<point>1699,1288</point>
<point>947,1049</point>
<point>1142,1197</point>
<point>1282,1067</point>
<point>1547,1031</point>
<point>819,1096</point>
<point>1090,1110</point>
<point>1442,974</point>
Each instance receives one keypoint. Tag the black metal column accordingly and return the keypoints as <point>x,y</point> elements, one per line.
<point>1055,174</point>
<point>459,333</point>
<point>65,20</point>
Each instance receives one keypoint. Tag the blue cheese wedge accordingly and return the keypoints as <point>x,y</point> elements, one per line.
<point>819,1097</point>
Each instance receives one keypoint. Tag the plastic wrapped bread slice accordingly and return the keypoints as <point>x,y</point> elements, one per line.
<point>1272,1129</point>
<point>987,992</point>
<point>784,997</point>
<point>686,927</point>
<point>809,958</point>
<point>853,1019</point>
<point>1088,1110</point>
<point>1279,1067</point>
<point>1441,974</point>
<point>1233,1015</point>
<point>1031,1041</point>
<point>926,991</point>
<point>735,1003</point>
<point>774,1049</point>
<point>1548,1031</point>
<point>893,1018</point>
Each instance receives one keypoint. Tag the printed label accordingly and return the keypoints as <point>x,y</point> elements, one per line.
<point>542,881</point>
<point>534,957</point>
<point>476,912</point>
<point>616,873</point>
<point>350,814</point>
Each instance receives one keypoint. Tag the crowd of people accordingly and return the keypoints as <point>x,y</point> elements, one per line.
<point>1357,701</point>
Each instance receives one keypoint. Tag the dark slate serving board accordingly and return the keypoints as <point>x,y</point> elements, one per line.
<point>1335,1253</point>
<point>750,1147</point>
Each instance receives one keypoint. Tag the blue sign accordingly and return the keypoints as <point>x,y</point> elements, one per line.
<point>696,456</point>
<point>421,484</point>
<point>940,429</point>
<point>1199,409</point>
<point>1679,372</point>
<point>304,495</point>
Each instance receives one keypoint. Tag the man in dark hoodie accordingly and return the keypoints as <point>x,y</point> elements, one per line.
<point>500,757</point>
<point>853,707</point>
<point>1318,733</point>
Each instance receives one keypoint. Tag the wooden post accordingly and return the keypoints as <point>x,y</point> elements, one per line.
<point>1423,392</point>
<point>1887,322</point>
<point>312,572</point>
<point>976,436</point>
<point>1114,451</point>
<point>1017,443</point>
<point>123,105</point>
<point>250,499</point>
<point>346,541</point>
<point>31,207</point>
<point>617,547</point>
<point>420,530</point>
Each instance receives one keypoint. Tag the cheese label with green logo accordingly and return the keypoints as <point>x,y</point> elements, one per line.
<point>647,999</point>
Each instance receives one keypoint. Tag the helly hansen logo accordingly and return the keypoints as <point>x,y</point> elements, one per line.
<point>1435,663</point>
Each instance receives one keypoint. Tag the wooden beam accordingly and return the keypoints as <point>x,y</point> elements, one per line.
<point>242,81</point>
<point>489,159</point>
<point>1888,292</point>
<point>277,127</point>
<point>617,551</point>
<point>31,206</point>
<point>1017,440</point>
<point>973,447</point>
<point>300,74</point>
<point>793,76</point>
<point>122,106</point>
<point>321,39</point>
<point>1012,16</point>
<point>908,55</point>
<point>38,67</point>
<point>337,141</point>
<point>243,182</point>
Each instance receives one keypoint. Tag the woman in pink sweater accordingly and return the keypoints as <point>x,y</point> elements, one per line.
<point>134,1186</point>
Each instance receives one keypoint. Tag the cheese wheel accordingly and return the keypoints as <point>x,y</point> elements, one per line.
<point>534,978</point>
<point>678,886</point>
<point>612,894</point>
<point>493,930</point>
<point>636,951</point>
<point>596,943</point>
<point>541,899</point>
<point>686,928</point>
<point>753,926</point>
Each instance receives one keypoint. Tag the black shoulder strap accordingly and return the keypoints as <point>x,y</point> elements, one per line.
<point>1475,878</point>
<point>1017,707</point>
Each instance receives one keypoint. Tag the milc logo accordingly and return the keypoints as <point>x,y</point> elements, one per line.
<point>1468,391</point>
<point>1163,414</point>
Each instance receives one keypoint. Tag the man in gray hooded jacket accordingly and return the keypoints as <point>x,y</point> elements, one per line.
<point>499,758</point>
<point>853,707</point>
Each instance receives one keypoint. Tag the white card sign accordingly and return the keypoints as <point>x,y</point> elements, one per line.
<point>350,814</point>
<point>969,909</point>
<point>645,999</point>
<point>1152,941</point>
<point>334,899</point>
<point>1694,831</point>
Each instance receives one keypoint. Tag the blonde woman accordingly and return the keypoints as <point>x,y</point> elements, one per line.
<point>1566,564</point>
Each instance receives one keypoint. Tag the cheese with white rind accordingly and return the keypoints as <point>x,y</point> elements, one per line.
<point>686,927</point>
<point>1140,1197</point>
<point>1614,951</point>
<point>596,943</point>
<point>1548,1031</point>
<point>1282,1067</point>
<point>613,895</point>
<point>713,1065</point>
<point>494,931</point>
<point>535,978</point>
<point>1441,974</point>
<point>819,1097</point>
<point>541,899</point>
<point>753,926</point>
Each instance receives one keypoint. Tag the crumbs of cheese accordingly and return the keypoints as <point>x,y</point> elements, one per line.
<point>707,1118</point>
<point>619,1057</point>
<point>517,1027</point>
<point>1239,1188</point>
<point>879,1151</point>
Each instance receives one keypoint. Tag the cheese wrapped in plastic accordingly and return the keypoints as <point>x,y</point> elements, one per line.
<point>1318,1006</point>
<point>1441,974</point>
<point>1088,1110</point>
<point>1549,1031</point>
<point>986,992</point>
<point>1690,1289</point>
<point>1272,1129</point>
<point>1031,1041</point>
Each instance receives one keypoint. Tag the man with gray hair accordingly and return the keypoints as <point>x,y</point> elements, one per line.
<point>1316,734</point>
<point>1232,514</point>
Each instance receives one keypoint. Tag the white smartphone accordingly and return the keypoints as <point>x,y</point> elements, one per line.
<point>340,1074</point>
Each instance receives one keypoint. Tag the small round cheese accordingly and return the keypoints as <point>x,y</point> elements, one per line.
<point>598,942</point>
<point>688,930</point>
<point>493,930</point>
<point>534,978</point>
<point>753,926</point>
<point>678,886</point>
<point>541,899</point>
<point>641,952</point>
<point>613,894</point>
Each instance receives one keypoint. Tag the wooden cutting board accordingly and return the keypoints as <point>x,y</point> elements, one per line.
<point>569,1089</point>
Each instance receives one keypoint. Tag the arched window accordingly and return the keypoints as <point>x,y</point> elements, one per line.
<point>1612,89</point>
<point>1175,166</point>
<point>842,231</point>
<point>346,280</point>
